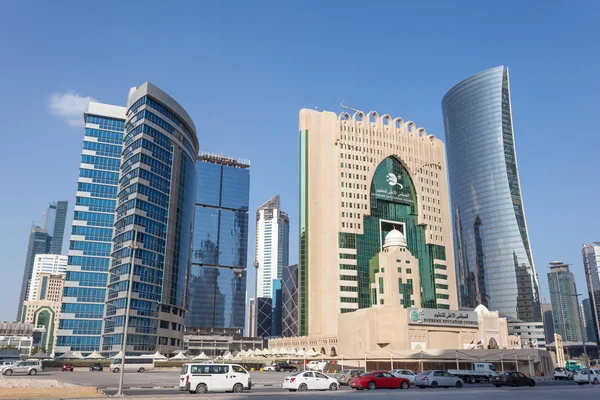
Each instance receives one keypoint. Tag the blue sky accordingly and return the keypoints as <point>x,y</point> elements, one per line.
<point>243,70</point>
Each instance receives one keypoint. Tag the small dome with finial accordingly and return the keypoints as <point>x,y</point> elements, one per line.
<point>394,238</point>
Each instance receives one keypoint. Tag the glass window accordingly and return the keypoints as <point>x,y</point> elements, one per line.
<point>238,369</point>
<point>235,188</point>
<point>308,375</point>
<point>233,239</point>
<point>208,184</point>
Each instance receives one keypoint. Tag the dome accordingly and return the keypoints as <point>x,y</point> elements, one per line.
<point>394,238</point>
<point>481,308</point>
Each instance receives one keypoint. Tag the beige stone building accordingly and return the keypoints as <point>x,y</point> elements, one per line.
<point>44,308</point>
<point>362,176</point>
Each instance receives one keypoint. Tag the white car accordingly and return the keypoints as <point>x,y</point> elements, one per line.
<point>581,376</point>
<point>309,380</point>
<point>316,365</point>
<point>269,367</point>
<point>562,373</point>
<point>404,373</point>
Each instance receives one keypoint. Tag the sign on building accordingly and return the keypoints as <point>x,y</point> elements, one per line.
<point>432,316</point>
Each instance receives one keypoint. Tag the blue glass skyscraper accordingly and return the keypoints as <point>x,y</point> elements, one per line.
<point>153,226</point>
<point>493,255</point>
<point>84,293</point>
<point>217,282</point>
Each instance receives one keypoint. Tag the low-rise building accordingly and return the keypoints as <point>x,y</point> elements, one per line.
<point>20,336</point>
<point>531,333</point>
<point>217,342</point>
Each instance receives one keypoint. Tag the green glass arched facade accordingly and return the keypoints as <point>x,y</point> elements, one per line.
<point>393,201</point>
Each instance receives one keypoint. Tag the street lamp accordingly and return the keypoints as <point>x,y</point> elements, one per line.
<point>133,247</point>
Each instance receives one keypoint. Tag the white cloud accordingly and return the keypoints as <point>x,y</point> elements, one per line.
<point>70,106</point>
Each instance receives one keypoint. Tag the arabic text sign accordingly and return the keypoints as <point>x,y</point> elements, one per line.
<point>432,316</point>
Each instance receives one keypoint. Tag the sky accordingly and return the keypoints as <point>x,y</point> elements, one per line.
<point>243,70</point>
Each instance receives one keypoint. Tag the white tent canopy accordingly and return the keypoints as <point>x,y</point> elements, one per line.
<point>118,355</point>
<point>201,356</point>
<point>158,356</point>
<point>179,356</point>
<point>95,356</point>
<point>70,356</point>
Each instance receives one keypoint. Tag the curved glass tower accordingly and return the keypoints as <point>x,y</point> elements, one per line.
<point>493,256</point>
<point>154,218</point>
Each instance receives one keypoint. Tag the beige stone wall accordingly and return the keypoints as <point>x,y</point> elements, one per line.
<point>343,153</point>
<point>388,272</point>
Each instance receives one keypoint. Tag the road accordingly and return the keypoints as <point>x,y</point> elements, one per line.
<point>266,385</point>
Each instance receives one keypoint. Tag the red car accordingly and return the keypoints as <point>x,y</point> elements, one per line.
<point>378,380</point>
<point>67,367</point>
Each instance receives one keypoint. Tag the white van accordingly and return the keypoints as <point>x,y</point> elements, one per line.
<point>202,378</point>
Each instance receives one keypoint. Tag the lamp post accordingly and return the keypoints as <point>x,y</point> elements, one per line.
<point>133,247</point>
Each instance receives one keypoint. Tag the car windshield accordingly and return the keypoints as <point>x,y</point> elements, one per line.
<point>296,374</point>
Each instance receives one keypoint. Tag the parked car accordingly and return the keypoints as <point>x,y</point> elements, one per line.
<point>378,380</point>
<point>96,367</point>
<point>581,376</point>
<point>309,380</point>
<point>67,367</point>
<point>29,367</point>
<point>404,373</point>
<point>202,378</point>
<point>316,365</point>
<point>286,367</point>
<point>437,378</point>
<point>269,367</point>
<point>343,377</point>
<point>512,378</point>
<point>562,373</point>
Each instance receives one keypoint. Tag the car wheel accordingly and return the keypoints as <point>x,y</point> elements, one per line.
<point>371,386</point>
<point>91,369</point>
<point>303,388</point>
<point>434,384</point>
<point>201,388</point>
<point>404,385</point>
<point>32,372</point>
<point>8,372</point>
<point>141,370</point>
<point>333,387</point>
<point>116,370</point>
<point>595,381</point>
<point>532,383</point>
<point>497,385</point>
<point>458,384</point>
<point>472,379</point>
<point>238,388</point>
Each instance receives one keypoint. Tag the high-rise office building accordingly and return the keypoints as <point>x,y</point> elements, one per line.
<point>45,237</point>
<point>217,281</point>
<point>565,307</point>
<point>53,264</point>
<point>272,245</point>
<point>264,316</point>
<point>289,300</point>
<point>84,294</point>
<point>588,321</point>
<point>548,322</point>
<point>493,254</point>
<point>360,177</point>
<point>591,265</point>
<point>277,308</point>
<point>584,333</point>
<point>153,226</point>
<point>251,317</point>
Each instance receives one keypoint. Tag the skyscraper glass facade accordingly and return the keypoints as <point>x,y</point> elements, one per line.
<point>565,307</point>
<point>289,299</point>
<point>217,282</point>
<point>45,237</point>
<point>153,227</point>
<point>493,256</point>
<point>591,265</point>
<point>84,293</point>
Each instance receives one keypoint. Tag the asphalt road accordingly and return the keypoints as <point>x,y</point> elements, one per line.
<point>548,390</point>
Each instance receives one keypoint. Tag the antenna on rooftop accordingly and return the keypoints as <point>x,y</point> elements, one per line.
<point>348,108</point>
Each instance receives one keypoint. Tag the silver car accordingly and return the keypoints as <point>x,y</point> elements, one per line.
<point>29,367</point>
<point>437,378</point>
<point>343,377</point>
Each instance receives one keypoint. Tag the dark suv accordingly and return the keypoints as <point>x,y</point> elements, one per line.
<point>285,367</point>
